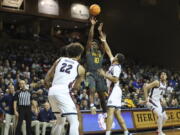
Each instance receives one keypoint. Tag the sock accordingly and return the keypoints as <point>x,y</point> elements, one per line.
<point>160,123</point>
<point>108,132</point>
<point>126,132</point>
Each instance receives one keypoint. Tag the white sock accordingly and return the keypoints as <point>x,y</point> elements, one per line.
<point>108,132</point>
<point>74,124</point>
<point>160,123</point>
<point>126,132</point>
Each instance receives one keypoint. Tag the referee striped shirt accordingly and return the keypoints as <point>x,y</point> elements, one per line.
<point>23,98</point>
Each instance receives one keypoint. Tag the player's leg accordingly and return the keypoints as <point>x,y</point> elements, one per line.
<point>79,116</point>
<point>157,110</point>
<point>101,89</point>
<point>91,84</point>
<point>74,124</point>
<point>69,111</point>
<point>165,118</point>
<point>121,121</point>
<point>110,118</point>
<point>57,128</point>
<point>80,120</point>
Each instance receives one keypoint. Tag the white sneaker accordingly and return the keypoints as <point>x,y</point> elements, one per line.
<point>127,133</point>
<point>161,133</point>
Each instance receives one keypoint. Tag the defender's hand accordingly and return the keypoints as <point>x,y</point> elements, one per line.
<point>101,72</point>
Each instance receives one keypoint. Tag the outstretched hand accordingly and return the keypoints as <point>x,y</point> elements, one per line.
<point>100,27</point>
<point>93,20</point>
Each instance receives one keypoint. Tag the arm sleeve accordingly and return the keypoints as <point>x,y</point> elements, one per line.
<point>116,71</point>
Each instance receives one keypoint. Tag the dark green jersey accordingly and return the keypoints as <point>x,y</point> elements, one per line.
<point>94,60</point>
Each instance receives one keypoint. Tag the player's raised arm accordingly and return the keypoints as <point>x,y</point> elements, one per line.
<point>91,32</point>
<point>149,86</point>
<point>81,76</point>
<point>104,41</point>
<point>50,74</point>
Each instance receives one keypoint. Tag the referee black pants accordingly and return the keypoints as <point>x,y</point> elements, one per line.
<point>24,114</point>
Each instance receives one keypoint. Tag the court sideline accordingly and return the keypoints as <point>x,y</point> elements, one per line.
<point>168,132</point>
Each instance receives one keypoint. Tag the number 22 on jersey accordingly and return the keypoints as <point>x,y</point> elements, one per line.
<point>66,68</point>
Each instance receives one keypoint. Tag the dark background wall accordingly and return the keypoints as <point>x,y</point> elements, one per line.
<point>147,33</point>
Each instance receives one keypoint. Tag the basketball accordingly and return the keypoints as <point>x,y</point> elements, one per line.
<point>95,9</point>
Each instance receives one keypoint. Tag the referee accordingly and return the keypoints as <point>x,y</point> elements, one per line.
<point>22,107</point>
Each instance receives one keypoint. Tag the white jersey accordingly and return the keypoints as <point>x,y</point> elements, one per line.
<point>66,72</point>
<point>157,92</point>
<point>114,70</point>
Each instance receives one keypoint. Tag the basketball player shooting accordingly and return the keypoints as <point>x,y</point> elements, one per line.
<point>94,59</point>
<point>153,101</point>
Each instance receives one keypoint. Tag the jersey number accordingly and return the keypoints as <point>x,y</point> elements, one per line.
<point>96,60</point>
<point>66,68</point>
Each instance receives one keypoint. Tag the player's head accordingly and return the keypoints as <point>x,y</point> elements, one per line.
<point>95,45</point>
<point>163,76</point>
<point>119,57</point>
<point>75,50</point>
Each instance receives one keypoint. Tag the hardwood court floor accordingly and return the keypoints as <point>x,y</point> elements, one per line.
<point>168,132</point>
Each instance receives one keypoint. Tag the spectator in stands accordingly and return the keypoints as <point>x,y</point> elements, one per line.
<point>46,117</point>
<point>84,95</point>
<point>7,105</point>
<point>129,102</point>
<point>97,103</point>
<point>174,103</point>
<point>84,105</point>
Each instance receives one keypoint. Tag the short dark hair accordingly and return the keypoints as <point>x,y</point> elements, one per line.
<point>120,58</point>
<point>74,49</point>
<point>162,71</point>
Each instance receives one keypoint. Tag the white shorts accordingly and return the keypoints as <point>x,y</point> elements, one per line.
<point>115,97</point>
<point>61,101</point>
<point>154,105</point>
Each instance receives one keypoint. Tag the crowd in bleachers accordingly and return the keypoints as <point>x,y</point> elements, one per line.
<point>30,61</point>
